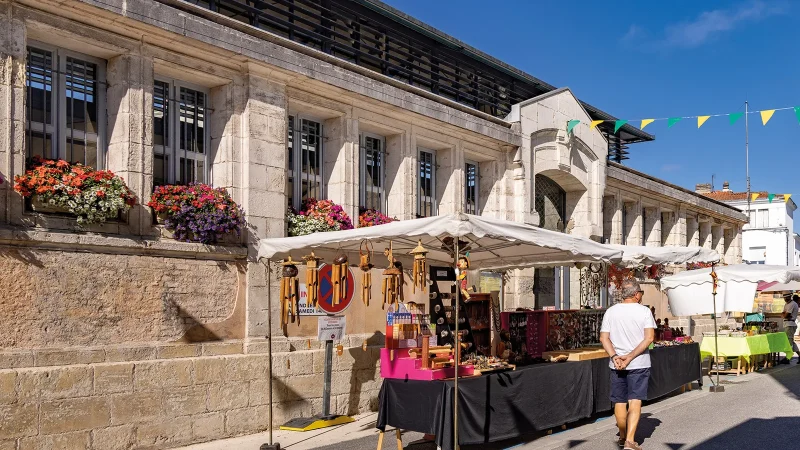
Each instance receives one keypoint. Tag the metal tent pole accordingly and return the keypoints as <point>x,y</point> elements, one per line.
<point>747,156</point>
<point>457,348</point>
<point>716,387</point>
<point>271,445</point>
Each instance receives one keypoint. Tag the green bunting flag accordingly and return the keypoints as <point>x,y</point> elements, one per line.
<point>618,124</point>
<point>672,121</point>
<point>797,112</point>
<point>572,124</point>
<point>770,197</point>
<point>735,116</point>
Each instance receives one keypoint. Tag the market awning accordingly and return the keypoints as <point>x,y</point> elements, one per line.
<point>690,292</point>
<point>491,243</point>
<point>637,255</point>
<point>779,287</point>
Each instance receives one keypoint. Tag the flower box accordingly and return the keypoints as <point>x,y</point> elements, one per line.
<point>40,206</point>
<point>197,213</point>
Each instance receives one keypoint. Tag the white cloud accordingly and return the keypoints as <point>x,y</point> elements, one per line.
<point>670,168</point>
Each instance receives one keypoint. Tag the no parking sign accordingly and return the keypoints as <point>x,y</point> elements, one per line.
<point>325,304</point>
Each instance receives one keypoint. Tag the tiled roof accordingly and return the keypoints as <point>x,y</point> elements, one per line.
<point>726,196</point>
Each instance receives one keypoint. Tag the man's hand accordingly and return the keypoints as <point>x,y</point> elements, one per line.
<point>622,362</point>
<point>618,362</point>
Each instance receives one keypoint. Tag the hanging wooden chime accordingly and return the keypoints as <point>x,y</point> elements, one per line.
<point>419,275</point>
<point>391,287</point>
<point>365,251</point>
<point>289,290</point>
<point>312,278</point>
<point>339,278</point>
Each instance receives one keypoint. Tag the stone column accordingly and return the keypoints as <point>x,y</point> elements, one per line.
<point>705,233</point>
<point>450,180</point>
<point>693,231</point>
<point>12,111</point>
<point>129,96</point>
<point>609,218</point>
<point>263,110</point>
<point>652,227</point>
<point>633,225</point>
<point>718,240</point>
<point>680,230</point>
<point>340,163</point>
<point>401,177</point>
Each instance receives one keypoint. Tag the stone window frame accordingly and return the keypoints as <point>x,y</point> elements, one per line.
<point>59,119</point>
<point>380,190</point>
<point>172,148</point>
<point>431,199</point>
<point>475,207</point>
<point>294,159</point>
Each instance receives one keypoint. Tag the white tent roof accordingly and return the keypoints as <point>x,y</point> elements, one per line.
<point>790,286</point>
<point>491,243</point>
<point>636,255</point>
<point>690,292</point>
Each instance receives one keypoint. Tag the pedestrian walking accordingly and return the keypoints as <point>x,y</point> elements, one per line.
<point>790,325</point>
<point>627,331</point>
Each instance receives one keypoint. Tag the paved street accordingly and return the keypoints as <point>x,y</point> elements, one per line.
<point>756,410</point>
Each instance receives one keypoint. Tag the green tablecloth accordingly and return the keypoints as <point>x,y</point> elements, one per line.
<point>747,346</point>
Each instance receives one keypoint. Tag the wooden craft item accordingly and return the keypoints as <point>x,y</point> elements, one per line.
<point>339,279</point>
<point>463,266</point>
<point>426,342</point>
<point>312,278</point>
<point>289,290</point>
<point>391,286</point>
<point>420,268</point>
<point>365,251</point>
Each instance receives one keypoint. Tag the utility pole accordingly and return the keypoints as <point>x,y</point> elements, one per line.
<point>747,156</point>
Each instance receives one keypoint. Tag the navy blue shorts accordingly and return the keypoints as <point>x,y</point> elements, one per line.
<point>629,385</point>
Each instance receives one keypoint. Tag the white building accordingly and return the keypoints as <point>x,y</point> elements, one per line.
<point>769,238</point>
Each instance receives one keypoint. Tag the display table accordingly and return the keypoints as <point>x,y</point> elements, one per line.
<point>507,405</point>
<point>746,347</point>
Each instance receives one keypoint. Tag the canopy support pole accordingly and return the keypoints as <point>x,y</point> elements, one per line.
<point>457,349</point>
<point>717,387</point>
<point>268,272</point>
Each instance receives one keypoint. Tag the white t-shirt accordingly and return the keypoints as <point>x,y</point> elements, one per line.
<point>791,308</point>
<point>625,323</point>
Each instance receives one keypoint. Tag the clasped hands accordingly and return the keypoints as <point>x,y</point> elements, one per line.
<point>621,362</point>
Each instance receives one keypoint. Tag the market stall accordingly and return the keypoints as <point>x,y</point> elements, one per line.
<point>744,348</point>
<point>716,290</point>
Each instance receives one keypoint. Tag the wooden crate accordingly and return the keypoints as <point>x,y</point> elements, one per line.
<point>579,354</point>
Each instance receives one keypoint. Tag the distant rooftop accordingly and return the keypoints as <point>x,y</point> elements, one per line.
<point>729,196</point>
<point>376,36</point>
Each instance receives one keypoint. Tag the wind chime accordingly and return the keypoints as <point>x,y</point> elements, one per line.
<point>365,251</point>
<point>312,278</point>
<point>391,288</point>
<point>289,289</point>
<point>339,279</point>
<point>420,278</point>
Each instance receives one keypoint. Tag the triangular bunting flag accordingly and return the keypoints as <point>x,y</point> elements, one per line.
<point>766,115</point>
<point>646,122</point>
<point>571,124</point>
<point>701,120</point>
<point>735,116</point>
<point>672,121</point>
<point>770,196</point>
<point>753,197</point>
<point>786,198</point>
<point>618,124</point>
<point>797,112</point>
<point>595,123</point>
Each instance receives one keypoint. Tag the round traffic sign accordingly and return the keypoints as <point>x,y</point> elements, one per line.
<point>325,302</point>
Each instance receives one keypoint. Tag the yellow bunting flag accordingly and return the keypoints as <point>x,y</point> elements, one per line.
<point>786,197</point>
<point>701,120</point>
<point>766,115</point>
<point>646,122</point>
<point>595,123</point>
<point>753,197</point>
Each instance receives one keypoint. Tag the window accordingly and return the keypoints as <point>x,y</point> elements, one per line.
<point>426,193</point>
<point>180,134</point>
<point>65,109</point>
<point>373,160</point>
<point>471,187</point>
<point>304,146</point>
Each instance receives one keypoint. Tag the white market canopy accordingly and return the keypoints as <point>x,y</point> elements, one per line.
<point>690,292</point>
<point>637,255</point>
<point>780,287</point>
<point>491,243</point>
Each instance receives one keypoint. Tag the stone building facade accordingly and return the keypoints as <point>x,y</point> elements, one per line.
<point>117,336</point>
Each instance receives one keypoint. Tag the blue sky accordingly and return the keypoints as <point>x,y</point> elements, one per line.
<point>640,60</point>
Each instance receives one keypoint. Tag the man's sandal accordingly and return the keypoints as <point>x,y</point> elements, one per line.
<point>632,446</point>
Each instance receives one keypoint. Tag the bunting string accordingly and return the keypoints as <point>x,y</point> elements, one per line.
<point>733,118</point>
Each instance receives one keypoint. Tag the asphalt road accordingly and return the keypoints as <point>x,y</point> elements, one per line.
<point>760,410</point>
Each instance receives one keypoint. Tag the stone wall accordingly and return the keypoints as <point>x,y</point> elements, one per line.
<point>63,298</point>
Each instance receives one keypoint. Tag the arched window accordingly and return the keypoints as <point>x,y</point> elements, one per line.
<point>550,203</point>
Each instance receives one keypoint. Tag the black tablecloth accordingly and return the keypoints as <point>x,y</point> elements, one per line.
<point>506,405</point>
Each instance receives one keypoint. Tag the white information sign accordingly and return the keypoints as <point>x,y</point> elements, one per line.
<point>330,328</point>
<point>305,308</point>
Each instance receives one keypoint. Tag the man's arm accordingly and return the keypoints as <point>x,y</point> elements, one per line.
<point>649,336</point>
<point>605,339</point>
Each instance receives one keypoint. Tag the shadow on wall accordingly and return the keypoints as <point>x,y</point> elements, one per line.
<point>366,363</point>
<point>23,255</point>
<point>194,331</point>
